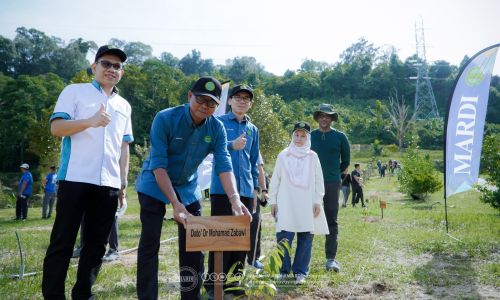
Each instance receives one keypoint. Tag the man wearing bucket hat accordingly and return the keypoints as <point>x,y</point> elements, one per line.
<point>333,149</point>
<point>181,137</point>
<point>95,124</point>
<point>24,192</point>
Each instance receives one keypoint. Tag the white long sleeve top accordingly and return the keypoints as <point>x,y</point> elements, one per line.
<point>295,204</point>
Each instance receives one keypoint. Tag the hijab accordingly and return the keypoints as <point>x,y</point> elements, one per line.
<point>298,162</point>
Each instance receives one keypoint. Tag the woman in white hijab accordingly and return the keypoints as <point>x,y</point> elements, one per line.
<point>296,195</point>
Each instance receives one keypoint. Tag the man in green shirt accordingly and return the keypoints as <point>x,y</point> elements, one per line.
<point>334,153</point>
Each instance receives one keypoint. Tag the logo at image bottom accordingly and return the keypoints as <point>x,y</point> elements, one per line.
<point>189,279</point>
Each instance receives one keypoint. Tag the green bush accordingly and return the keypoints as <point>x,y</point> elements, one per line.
<point>392,148</point>
<point>418,176</point>
<point>377,148</point>
<point>491,165</point>
<point>7,197</point>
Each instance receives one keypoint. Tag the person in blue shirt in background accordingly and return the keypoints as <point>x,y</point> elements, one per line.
<point>243,146</point>
<point>49,186</point>
<point>181,137</point>
<point>255,227</point>
<point>24,192</point>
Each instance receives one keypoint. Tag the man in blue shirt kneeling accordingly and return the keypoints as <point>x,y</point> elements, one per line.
<point>181,137</point>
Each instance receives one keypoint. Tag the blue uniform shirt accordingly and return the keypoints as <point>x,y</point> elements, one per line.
<point>26,177</point>
<point>244,161</point>
<point>50,186</point>
<point>179,146</point>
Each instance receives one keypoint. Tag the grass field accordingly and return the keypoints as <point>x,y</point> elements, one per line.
<point>405,255</point>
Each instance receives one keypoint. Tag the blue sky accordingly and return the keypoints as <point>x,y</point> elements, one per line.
<point>279,34</point>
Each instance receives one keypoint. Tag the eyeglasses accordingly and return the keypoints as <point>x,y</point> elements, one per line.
<point>244,99</point>
<point>208,102</point>
<point>107,64</point>
<point>324,116</point>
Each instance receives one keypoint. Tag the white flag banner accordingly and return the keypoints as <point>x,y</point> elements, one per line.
<point>205,168</point>
<point>465,122</point>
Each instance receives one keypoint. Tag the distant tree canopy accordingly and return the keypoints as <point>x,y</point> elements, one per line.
<point>34,68</point>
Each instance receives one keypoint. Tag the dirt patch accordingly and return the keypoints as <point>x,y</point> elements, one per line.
<point>371,219</point>
<point>375,290</point>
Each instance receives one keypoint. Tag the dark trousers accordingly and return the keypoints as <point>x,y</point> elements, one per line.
<point>255,236</point>
<point>220,206</point>
<point>357,194</point>
<point>82,233</point>
<point>73,200</point>
<point>190,263</point>
<point>113,235</point>
<point>22,207</point>
<point>331,205</point>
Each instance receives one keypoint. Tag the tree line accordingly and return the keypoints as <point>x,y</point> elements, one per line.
<point>34,68</point>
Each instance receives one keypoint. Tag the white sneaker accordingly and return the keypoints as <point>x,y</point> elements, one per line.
<point>300,279</point>
<point>111,256</point>
<point>332,265</point>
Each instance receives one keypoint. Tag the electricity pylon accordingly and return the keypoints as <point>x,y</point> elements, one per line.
<point>425,102</point>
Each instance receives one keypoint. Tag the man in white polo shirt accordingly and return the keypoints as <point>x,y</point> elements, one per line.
<point>95,123</point>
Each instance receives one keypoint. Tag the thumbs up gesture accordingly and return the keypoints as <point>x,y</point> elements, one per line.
<point>101,118</point>
<point>240,142</point>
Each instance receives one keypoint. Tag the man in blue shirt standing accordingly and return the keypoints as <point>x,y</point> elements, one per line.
<point>24,192</point>
<point>181,137</point>
<point>243,146</point>
<point>49,184</point>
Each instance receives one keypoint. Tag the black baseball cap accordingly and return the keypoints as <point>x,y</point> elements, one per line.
<point>207,86</point>
<point>302,126</point>
<point>241,88</point>
<point>110,50</point>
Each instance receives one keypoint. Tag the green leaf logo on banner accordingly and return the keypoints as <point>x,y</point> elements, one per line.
<point>474,76</point>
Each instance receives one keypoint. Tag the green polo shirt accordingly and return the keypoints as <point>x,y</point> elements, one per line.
<point>333,150</point>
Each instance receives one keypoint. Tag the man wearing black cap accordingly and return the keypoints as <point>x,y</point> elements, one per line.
<point>181,137</point>
<point>95,123</point>
<point>334,153</point>
<point>243,146</point>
